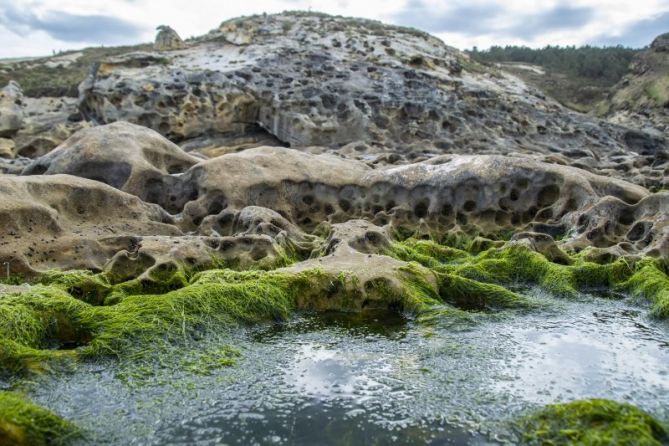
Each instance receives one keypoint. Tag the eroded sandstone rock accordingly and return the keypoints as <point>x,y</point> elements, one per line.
<point>128,157</point>
<point>66,222</point>
<point>376,93</point>
<point>11,112</point>
<point>167,39</point>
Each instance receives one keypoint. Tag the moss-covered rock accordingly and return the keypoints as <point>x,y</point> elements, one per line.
<point>593,423</point>
<point>466,274</point>
<point>25,424</point>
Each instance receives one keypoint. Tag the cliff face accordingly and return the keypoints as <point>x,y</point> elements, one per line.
<point>641,99</point>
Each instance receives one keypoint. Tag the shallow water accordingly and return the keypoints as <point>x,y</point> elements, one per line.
<point>338,379</point>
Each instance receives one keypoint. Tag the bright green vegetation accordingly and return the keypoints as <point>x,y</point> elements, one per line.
<point>471,280</point>
<point>65,316</point>
<point>25,424</point>
<point>68,316</point>
<point>593,423</point>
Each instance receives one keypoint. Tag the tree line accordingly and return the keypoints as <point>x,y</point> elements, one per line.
<point>606,64</point>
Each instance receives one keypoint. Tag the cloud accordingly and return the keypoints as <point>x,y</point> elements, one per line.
<point>66,27</point>
<point>558,18</point>
<point>639,34</point>
<point>487,18</point>
<point>466,19</point>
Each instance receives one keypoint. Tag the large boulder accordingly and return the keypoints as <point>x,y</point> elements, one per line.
<point>128,157</point>
<point>65,222</point>
<point>661,43</point>
<point>379,93</point>
<point>167,39</point>
<point>11,112</point>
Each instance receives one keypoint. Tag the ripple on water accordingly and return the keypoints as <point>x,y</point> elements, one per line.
<point>379,379</point>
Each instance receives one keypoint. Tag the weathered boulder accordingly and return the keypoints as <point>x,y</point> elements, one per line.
<point>128,157</point>
<point>661,43</point>
<point>66,222</point>
<point>167,39</point>
<point>11,112</point>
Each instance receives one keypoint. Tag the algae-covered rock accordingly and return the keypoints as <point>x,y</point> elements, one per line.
<point>595,423</point>
<point>25,424</point>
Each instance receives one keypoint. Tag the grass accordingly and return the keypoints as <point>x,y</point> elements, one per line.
<point>594,423</point>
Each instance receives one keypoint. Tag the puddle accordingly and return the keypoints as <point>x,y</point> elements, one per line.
<point>376,378</point>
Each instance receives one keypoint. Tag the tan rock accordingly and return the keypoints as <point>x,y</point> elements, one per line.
<point>7,147</point>
<point>167,39</point>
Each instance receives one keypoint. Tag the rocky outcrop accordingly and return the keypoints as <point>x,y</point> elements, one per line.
<point>660,43</point>
<point>128,157</point>
<point>30,127</point>
<point>390,129</point>
<point>255,205</point>
<point>641,99</point>
<point>11,112</point>
<point>388,95</point>
<point>167,39</point>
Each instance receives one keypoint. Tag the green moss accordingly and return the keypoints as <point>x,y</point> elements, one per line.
<point>592,422</point>
<point>206,362</point>
<point>470,294</point>
<point>23,423</point>
<point>650,282</point>
<point>466,278</point>
<point>34,324</point>
<point>48,323</point>
<point>83,285</point>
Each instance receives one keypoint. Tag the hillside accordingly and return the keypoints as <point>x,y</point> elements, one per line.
<point>641,98</point>
<point>578,77</point>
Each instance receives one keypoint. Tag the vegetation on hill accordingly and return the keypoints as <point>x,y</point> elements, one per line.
<point>47,77</point>
<point>606,64</point>
<point>578,77</point>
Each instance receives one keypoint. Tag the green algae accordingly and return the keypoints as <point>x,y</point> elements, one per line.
<point>25,424</point>
<point>467,278</point>
<point>594,423</point>
<point>48,322</point>
<point>650,282</point>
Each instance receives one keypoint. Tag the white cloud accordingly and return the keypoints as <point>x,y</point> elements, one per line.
<point>510,23</point>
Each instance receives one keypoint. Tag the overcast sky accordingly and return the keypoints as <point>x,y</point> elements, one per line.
<point>37,27</point>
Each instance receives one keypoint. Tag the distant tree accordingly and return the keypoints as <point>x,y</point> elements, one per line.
<point>607,64</point>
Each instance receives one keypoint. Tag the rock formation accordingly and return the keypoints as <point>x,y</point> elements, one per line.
<point>396,94</point>
<point>306,162</point>
<point>167,39</point>
<point>641,99</point>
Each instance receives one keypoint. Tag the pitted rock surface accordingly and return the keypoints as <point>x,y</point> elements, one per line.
<point>393,94</point>
<point>128,157</point>
<point>315,137</point>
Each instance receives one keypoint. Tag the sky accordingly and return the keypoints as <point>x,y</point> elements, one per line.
<point>39,27</point>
